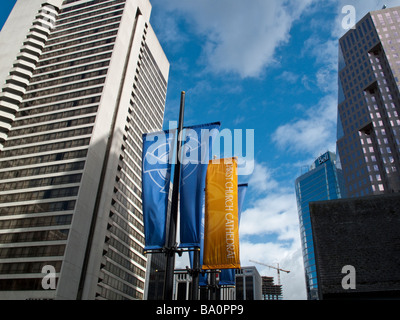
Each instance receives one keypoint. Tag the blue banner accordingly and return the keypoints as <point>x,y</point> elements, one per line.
<point>196,153</point>
<point>156,177</point>
<point>227,276</point>
<point>242,189</point>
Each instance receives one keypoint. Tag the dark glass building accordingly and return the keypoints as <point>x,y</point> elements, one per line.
<point>369,104</point>
<point>324,181</point>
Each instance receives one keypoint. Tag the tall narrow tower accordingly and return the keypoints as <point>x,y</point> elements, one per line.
<point>324,181</point>
<point>80,82</point>
<point>369,104</point>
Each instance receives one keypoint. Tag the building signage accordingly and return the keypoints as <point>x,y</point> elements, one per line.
<point>324,158</point>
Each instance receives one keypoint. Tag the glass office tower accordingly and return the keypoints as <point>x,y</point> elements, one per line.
<point>323,181</point>
<point>369,104</point>
<point>80,82</point>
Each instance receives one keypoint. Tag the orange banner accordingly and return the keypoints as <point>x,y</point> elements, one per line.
<point>221,227</point>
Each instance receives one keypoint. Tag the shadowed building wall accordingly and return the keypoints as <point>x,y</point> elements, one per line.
<point>362,233</point>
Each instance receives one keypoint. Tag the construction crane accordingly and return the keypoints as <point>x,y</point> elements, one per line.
<point>276,268</point>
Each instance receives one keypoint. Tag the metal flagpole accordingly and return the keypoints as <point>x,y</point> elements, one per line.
<point>171,241</point>
<point>195,275</point>
<point>213,286</point>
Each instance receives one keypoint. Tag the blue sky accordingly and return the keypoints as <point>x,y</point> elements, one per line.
<point>266,65</point>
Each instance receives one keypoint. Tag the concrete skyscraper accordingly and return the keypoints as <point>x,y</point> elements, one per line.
<point>369,104</point>
<point>80,82</point>
<point>323,181</point>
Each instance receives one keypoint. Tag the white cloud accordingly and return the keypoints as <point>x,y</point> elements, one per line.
<point>239,119</point>
<point>261,179</point>
<point>273,215</point>
<point>290,259</point>
<point>324,52</point>
<point>314,133</point>
<point>289,77</point>
<point>275,209</point>
<point>287,253</point>
<point>240,36</point>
